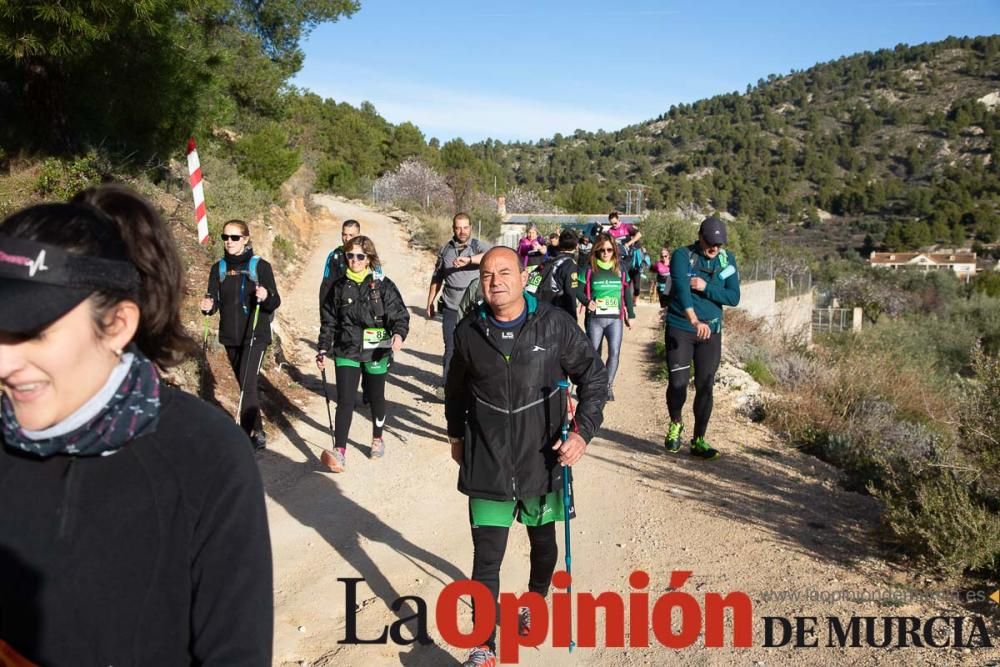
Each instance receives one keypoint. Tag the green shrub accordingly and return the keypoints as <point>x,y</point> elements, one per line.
<point>941,521</point>
<point>61,179</point>
<point>265,157</point>
<point>229,195</point>
<point>284,250</point>
<point>758,370</point>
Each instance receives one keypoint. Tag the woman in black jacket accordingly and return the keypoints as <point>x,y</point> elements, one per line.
<point>239,284</point>
<point>133,528</point>
<point>364,322</point>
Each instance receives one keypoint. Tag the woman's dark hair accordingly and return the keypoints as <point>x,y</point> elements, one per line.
<point>367,247</point>
<point>244,227</point>
<point>114,222</point>
<point>601,239</point>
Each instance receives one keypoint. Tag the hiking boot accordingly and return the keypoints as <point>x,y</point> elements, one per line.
<point>701,449</point>
<point>611,394</point>
<point>481,656</point>
<point>524,622</point>
<point>672,440</point>
<point>259,440</point>
<point>334,460</point>
<point>378,448</point>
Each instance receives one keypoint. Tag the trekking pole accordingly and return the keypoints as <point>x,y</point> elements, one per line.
<point>326,458</point>
<point>246,373</point>
<point>204,338</point>
<point>568,509</point>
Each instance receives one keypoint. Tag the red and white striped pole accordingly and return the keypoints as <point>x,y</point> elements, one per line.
<point>194,176</point>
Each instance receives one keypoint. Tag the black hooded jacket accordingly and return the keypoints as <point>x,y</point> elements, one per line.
<point>234,298</point>
<point>510,413</point>
<point>351,308</point>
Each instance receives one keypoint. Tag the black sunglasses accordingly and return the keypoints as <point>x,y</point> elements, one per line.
<point>355,255</point>
<point>600,250</point>
<point>230,237</point>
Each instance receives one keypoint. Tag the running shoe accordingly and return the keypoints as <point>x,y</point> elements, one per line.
<point>334,460</point>
<point>481,656</point>
<point>524,622</point>
<point>701,449</point>
<point>672,440</point>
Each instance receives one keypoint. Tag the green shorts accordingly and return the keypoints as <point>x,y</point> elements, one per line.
<point>380,367</point>
<point>536,511</point>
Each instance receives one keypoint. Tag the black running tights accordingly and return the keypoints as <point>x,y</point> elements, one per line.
<point>347,391</point>
<point>489,544</point>
<point>683,347</point>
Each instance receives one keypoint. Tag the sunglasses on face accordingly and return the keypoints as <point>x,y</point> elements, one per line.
<point>355,255</point>
<point>602,250</point>
<point>230,237</point>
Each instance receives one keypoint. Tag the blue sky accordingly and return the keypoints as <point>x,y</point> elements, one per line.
<point>526,70</point>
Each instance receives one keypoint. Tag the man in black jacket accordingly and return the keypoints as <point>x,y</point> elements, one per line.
<point>504,411</point>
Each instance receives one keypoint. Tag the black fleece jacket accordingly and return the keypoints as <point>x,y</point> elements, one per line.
<point>235,300</point>
<point>510,413</point>
<point>351,308</point>
<point>156,555</point>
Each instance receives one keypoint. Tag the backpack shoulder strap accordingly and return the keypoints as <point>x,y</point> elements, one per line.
<point>222,269</point>
<point>252,267</point>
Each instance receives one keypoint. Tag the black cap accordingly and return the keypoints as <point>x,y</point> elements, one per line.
<point>713,231</point>
<point>39,282</point>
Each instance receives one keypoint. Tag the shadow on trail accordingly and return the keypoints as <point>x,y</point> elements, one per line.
<point>781,494</point>
<point>403,418</point>
<point>316,501</point>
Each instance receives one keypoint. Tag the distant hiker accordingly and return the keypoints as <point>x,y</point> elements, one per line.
<point>334,270</point>
<point>336,266</point>
<point>504,412</point>
<point>552,249</point>
<point>237,284</point>
<point>704,279</point>
<point>583,248</point>
<point>133,530</point>
<point>603,288</point>
<point>625,234</point>
<point>637,264</point>
<point>364,323</point>
<point>556,281</point>
<point>530,248</point>
<point>660,271</point>
<point>457,264</point>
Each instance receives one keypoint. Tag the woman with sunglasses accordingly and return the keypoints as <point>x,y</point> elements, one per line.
<point>604,290</point>
<point>238,285</point>
<point>133,529</point>
<point>661,274</point>
<point>364,322</point>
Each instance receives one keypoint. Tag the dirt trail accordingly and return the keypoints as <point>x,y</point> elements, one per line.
<point>759,519</point>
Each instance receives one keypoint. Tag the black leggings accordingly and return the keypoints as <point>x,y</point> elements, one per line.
<point>347,391</point>
<point>489,544</point>
<point>249,417</point>
<point>682,348</point>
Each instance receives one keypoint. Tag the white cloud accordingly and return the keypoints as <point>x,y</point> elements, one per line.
<point>460,112</point>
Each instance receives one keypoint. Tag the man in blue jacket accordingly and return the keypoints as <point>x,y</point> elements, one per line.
<point>704,279</point>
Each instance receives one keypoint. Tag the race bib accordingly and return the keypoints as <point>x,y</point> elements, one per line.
<point>534,280</point>
<point>607,306</point>
<point>376,338</point>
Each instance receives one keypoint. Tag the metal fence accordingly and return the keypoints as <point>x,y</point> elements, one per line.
<point>789,279</point>
<point>832,320</point>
